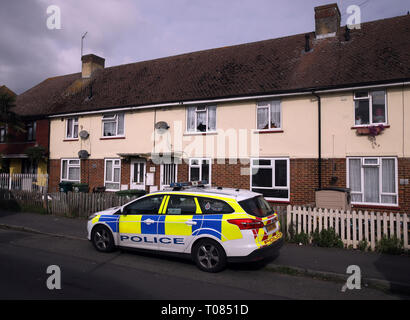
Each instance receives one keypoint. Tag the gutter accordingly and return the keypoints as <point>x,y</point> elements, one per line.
<point>319,126</point>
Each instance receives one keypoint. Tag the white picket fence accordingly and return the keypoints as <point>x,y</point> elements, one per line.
<point>24,182</point>
<point>351,226</point>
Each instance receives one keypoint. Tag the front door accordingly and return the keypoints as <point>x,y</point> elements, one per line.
<point>137,174</point>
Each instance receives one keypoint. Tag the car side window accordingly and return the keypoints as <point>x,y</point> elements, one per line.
<point>148,205</point>
<point>214,206</point>
<point>181,205</point>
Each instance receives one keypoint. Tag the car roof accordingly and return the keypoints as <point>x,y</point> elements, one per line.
<point>237,194</point>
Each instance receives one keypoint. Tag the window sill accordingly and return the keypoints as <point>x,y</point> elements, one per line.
<point>70,139</point>
<point>370,125</point>
<point>200,133</point>
<point>272,200</point>
<point>372,206</point>
<point>112,138</point>
<point>256,131</point>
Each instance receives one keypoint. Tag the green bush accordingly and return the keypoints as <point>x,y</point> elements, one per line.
<point>390,245</point>
<point>301,238</point>
<point>327,238</point>
<point>363,245</point>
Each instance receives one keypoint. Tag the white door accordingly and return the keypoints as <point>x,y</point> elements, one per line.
<point>168,174</point>
<point>137,174</point>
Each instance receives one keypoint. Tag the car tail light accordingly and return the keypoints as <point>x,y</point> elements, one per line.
<point>247,224</point>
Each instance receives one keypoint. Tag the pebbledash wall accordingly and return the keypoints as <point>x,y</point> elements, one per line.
<point>296,140</point>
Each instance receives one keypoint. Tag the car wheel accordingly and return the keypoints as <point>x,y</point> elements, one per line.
<point>102,239</point>
<point>209,256</point>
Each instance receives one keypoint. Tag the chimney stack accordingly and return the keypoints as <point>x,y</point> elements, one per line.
<point>327,20</point>
<point>90,63</point>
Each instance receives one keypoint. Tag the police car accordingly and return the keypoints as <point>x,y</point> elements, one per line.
<point>212,225</point>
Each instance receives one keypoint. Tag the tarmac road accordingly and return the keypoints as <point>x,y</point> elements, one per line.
<point>88,274</point>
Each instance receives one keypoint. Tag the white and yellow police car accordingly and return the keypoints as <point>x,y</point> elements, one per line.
<point>212,225</point>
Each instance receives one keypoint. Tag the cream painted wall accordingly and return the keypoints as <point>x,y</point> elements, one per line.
<point>340,140</point>
<point>237,120</point>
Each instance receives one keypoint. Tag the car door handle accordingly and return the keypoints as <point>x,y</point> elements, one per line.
<point>191,223</point>
<point>148,221</point>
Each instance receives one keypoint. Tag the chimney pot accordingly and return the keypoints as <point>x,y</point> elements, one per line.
<point>327,20</point>
<point>90,63</point>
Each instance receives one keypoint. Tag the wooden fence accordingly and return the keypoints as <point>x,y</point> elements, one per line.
<point>351,226</point>
<point>62,204</point>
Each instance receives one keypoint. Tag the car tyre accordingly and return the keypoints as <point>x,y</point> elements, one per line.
<point>209,256</point>
<point>102,239</point>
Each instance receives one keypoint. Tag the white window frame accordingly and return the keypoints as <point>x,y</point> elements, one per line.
<point>114,166</point>
<point>381,193</point>
<point>274,187</point>
<point>68,166</point>
<point>73,124</point>
<point>112,117</point>
<point>267,105</point>
<point>196,119</point>
<point>370,98</point>
<point>3,134</point>
<point>199,165</point>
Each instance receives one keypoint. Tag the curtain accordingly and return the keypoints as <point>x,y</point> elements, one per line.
<point>108,170</point>
<point>388,180</point>
<point>120,118</point>
<point>275,114</point>
<point>191,119</point>
<point>262,118</point>
<point>371,184</point>
<point>212,118</point>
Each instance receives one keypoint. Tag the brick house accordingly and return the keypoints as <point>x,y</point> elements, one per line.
<point>19,149</point>
<point>281,117</point>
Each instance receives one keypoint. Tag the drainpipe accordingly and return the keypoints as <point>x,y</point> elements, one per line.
<point>319,158</point>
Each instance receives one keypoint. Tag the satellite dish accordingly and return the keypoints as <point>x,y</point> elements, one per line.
<point>83,154</point>
<point>161,126</point>
<point>84,134</point>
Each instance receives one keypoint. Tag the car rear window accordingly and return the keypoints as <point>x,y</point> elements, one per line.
<point>214,206</point>
<point>256,206</point>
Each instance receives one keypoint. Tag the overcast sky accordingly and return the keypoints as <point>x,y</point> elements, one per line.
<point>125,31</point>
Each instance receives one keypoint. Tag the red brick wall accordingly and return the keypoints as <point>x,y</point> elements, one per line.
<point>303,177</point>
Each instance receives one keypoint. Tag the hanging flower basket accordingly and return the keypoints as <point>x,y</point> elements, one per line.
<point>370,130</point>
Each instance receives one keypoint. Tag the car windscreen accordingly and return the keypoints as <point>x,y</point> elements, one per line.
<point>256,206</point>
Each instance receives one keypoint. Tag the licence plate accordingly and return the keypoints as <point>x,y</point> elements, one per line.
<point>270,227</point>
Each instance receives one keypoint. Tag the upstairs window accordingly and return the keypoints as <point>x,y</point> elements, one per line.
<point>113,125</point>
<point>71,128</point>
<point>31,131</point>
<point>201,119</point>
<point>268,115</point>
<point>3,133</point>
<point>370,107</point>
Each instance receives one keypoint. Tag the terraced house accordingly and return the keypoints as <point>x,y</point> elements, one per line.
<point>282,117</point>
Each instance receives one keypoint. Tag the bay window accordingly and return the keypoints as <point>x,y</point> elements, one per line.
<point>373,180</point>
<point>270,176</point>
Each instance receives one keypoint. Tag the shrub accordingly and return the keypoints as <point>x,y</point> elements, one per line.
<point>327,238</point>
<point>301,238</point>
<point>390,245</point>
<point>363,245</point>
